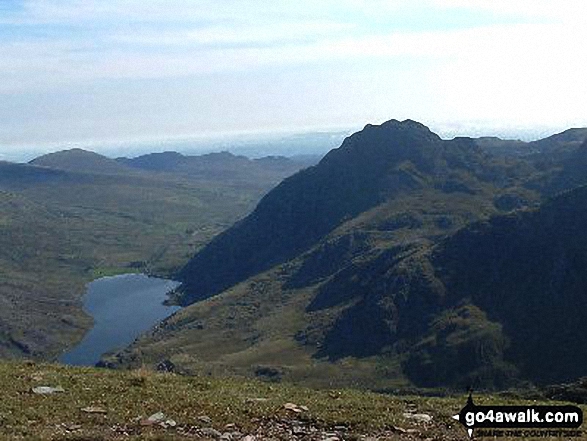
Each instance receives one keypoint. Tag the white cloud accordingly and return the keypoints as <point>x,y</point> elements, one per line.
<point>178,11</point>
<point>264,34</point>
<point>527,72</point>
<point>566,9</point>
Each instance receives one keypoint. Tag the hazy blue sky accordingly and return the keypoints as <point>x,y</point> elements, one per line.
<point>139,69</point>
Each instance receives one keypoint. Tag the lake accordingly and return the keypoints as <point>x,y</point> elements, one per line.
<point>123,307</point>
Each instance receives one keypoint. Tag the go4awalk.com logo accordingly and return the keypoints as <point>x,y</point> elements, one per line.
<point>521,421</point>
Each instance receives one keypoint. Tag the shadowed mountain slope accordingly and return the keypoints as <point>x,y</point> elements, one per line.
<point>372,166</point>
<point>526,272</point>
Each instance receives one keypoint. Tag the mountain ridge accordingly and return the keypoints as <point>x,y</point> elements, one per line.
<point>363,293</point>
<point>557,144</point>
<point>369,167</point>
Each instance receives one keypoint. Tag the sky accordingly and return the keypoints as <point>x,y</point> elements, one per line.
<point>74,71</point>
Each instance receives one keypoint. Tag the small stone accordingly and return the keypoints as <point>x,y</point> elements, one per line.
<point>418,417</point>
<point>293,407</point>
<point>212,433</point>
<point>205,419</point>
<point>166,366</point>
<point>47,390</point>
<point>226,436</point>
<point>168,423</point>
<point>298,430</point>
<point>256,400</point>
<point>72,427</point>
<point>249,438</point>
<point>156,418</point>
<point>93,409</point>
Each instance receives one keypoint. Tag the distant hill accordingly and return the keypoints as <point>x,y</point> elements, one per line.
<point>79,160</point>
<point>165,161</point>
<point>222,166</point>
<point>555,145</point>
<point>173,161</point>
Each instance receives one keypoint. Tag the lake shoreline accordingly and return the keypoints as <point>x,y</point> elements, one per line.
<point>123,307</point>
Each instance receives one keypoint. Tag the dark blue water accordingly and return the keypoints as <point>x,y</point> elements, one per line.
<point>123,307</point>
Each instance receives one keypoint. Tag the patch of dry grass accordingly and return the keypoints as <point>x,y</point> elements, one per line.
<point>128,397</point>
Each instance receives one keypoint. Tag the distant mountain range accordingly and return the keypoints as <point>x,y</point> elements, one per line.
<point>400,259</point>
<point>221,167</point>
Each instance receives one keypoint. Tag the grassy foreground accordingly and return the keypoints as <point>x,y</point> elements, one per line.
<point>98,404</point>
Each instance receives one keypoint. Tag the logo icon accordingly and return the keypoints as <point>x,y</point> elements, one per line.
<point>518,417</point>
